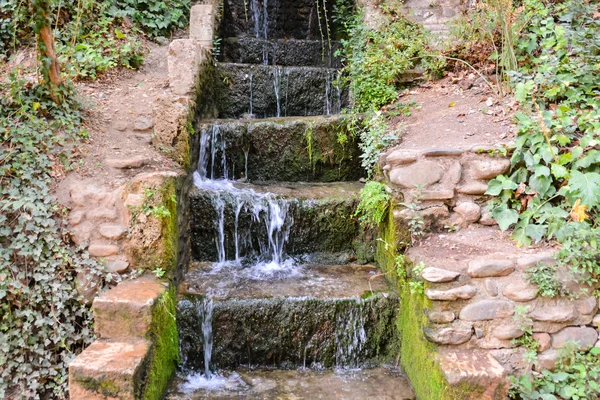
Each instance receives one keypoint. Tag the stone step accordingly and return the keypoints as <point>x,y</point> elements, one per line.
<point>320,316</point>
<point>477,370</point>
<point>284,149</point>
<point>270,91</point>
<point>109,369</point>
<point>377,383</point>
<point>251,50</point>
<point>320,217</point>
<point>126,310</point>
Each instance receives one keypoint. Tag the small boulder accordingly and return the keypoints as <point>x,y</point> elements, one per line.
<point>463,292</point>
<point>452,335</point>
<point>489,168</point>
<point>485,310</point>
<point>437,275</point>
<point>103,250</point>
<point>546,361</point>
<point>520,291</point>
<point>563,313</point>
<point>543,340</point>
<point>421,173</point>
<point>585,337</point>
<point>532,260</point>
<point>486,218</point>
<point>588,305</point>
<point>491,287</point>
<point>441,317</point>
<point>508,332</point>
<point>470,212</point>
<point>484,268</point>
<point>474,188</point>
<point>143,124</point>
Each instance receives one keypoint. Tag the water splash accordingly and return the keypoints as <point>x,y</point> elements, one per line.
<point>277,86</point>
<point>260,17</point>
<point>205,314</point>
<point>250,95</point>
<point>350,335</point>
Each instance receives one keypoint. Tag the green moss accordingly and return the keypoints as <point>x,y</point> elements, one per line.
<point>170,232</point>
<point>165,352</point>
<point>105,387</point>
<point>417,355</point>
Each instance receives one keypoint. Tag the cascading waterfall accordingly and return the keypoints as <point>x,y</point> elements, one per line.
<point>277,86</point>
<point>350,336</point>
<point>250,98</point>
<point>205,313</point>
<point>265,209</point>
<point>260,18</point>
<point>333,94</point>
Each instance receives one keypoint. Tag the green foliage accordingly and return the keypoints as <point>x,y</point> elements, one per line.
<point>44,322</point>
<point>416,223</point>
<point>376,59</point>
<point>374,203</point>
<point>577,376</point>
<point>374,138</point>
<point>555,179</point>
<point>546,279</point>
<point>156,17</point>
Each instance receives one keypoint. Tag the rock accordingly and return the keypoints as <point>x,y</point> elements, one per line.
<point>421,173</point>
<point>474,188</point>
<point>134,200</point>
<point>486,218</point>
<point>532,260</point>
<point>546,361</point>
<point>520,291</point>
<point>485,310</point>
<point>441,317</point>
<point>456,334</point>
<point>588,305</point>
<point>87,286</point>
<point>120,125</point>
<point>107,369</point>
<point>474,368</point>
<point>508,332</point>
<point>117,266</point>
<point>85,195</point>
<point>585,337</point>
<point>484,268</point>
<point>437,194</point>
<point>443,153</point>
<point>478,333</point>
<point>488,168</point>
<point>564,313</point>
<point>102,214</point>
<point>463,292</point>
<point>142,124</point>
<point>184,60</point>
<point>453,174</point>
<point>401,157</point>
<point>126,310</point>
<point>470,212</point>
<point>437,275</point>
<point>491,287</point>
<point>112,231</point>
<point>103,250</point>
<point>202,21</point>
<point>76,217</point>
<point>127,163</point>
<point>596,320</point>
<point>544,341</point>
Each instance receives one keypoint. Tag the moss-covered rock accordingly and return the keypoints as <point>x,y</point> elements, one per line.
<point>290,333</point>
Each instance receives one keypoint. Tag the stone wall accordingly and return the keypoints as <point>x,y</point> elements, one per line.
<point>452,182</point>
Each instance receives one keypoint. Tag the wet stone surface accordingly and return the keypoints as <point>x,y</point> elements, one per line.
<point>378,383</point>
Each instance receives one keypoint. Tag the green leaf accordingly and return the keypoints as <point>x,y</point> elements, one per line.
<point>505,216</point>
<point>120,35</point>
<point>500,183</point>
<point>585,187</point>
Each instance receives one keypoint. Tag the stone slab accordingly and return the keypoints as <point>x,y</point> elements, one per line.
<point>108,370</point>
<point>202,23</point>
<point>126,310</point>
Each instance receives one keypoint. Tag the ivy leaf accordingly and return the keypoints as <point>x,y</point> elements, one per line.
<point>500,183</point>
<point>585,187</point>
<point>505,216</point>
<point>559,171</point>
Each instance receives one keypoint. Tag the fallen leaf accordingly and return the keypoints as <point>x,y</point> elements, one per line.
<point>452,104</point>
<point>578,213</point>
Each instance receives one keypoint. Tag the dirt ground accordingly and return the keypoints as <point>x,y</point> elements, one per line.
<point>462,113</point>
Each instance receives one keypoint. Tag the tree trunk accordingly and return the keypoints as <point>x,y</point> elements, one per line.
<point>49,63</point>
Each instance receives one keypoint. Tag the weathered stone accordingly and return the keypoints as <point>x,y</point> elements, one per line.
<point>491,287</point>
<point>584,337</point>
<point>202,23</point>
<point>463,292</point>
<point>453,174</point>
<point>543,340</point>
<point>470,212</point>
<point>184,60</point>
<point>143,123</point>
<point>87,286</point>
<point>126,310</point>
<point>546,361</point>
<point>445,194</point>
<point>520,291</point>
<point>563,313</point>
<point>85,195</point>
<point>455,334</point>
<point>134,200</point>
<point>128,163</point>
<point>103,250</point>
<point>120,125</point>
<point>489,168</point>
<point>596,320</point>
<point>484,268</point>
<point>486,218</point>
<point>76,217</point>
<point>117,266</point>
<point>421,173</point>
<point>108,370</point>
<point>441,317</point>
<point>112,231</point>
<point>443,153</point>
<point>475,369</point>
<point>102,214</point>
<point>401,157</point>
<point>485,310</point>
<point>474,188</point>
<point>437,275</point>
<point>532,260</point>
<point>508,332</point>
<point>478,333</point>
<point>588,306</point>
